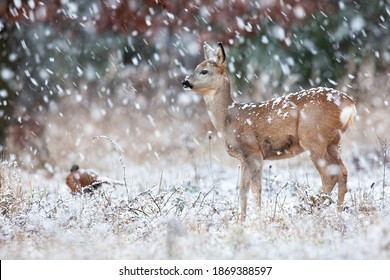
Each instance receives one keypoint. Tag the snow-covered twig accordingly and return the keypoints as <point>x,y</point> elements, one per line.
<point>119,149</point>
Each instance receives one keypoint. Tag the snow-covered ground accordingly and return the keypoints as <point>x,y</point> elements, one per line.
<point>179,199</point>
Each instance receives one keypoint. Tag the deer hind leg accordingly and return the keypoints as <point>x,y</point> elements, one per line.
<point>322,163</point>
<point>244,188</point>
<point>341,175</point>
<point>332,171</point>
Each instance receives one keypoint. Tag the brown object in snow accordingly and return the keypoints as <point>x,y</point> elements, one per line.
<point>82,181</point>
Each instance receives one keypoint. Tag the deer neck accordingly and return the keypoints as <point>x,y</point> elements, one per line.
<point>218,102</point>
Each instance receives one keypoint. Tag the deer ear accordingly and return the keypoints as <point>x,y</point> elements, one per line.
<point>208,51</point>
<point>220,55</point>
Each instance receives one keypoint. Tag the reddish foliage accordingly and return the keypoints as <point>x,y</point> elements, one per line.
<point>31,11</point>
<point>227,19</point>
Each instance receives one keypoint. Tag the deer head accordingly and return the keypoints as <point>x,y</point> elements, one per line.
<point>208,75</point>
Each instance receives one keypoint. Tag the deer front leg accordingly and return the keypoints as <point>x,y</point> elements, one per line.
<point>251,174</point>
<point>244,188</point>
<point>256,176</point>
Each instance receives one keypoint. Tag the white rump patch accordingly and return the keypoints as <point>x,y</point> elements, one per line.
<point>347,114</point>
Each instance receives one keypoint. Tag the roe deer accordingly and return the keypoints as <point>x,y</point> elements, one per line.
<point>310,120</point>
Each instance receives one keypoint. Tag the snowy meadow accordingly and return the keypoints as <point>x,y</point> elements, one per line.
<point>178,199</point>
<point>88,86</point>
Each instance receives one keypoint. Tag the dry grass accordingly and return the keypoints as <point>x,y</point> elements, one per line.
<point>196,218</point>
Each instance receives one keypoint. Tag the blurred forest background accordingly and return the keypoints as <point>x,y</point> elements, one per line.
<point>62,60</point>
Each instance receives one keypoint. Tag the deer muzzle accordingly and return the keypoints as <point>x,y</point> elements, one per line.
<point>186,84</point>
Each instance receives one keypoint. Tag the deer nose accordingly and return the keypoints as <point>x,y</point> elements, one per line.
<point>186,84</point>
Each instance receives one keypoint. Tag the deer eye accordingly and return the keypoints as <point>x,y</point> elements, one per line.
<point>204,72</point>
